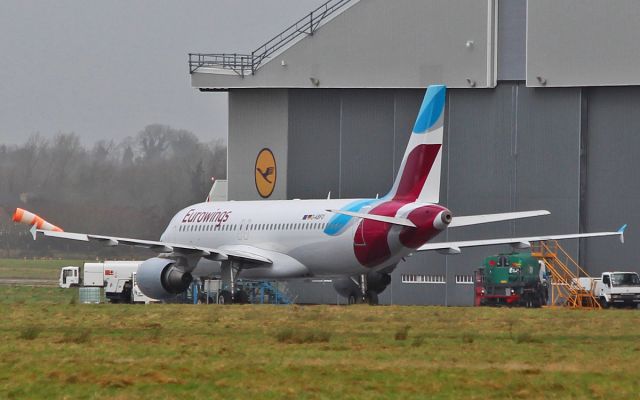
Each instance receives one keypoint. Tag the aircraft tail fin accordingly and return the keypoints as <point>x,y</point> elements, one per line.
<point>218,191</point>
<point>419,176</point>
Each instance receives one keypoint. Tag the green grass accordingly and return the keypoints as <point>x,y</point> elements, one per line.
<point>34,269</point>
<point>52,348</point>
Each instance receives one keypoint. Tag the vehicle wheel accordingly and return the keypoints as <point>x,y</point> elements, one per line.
<point>540,300</point>
<point>372,298</point>
<point>241,297</point>
<point>224,297</point>
<point>604,303</point>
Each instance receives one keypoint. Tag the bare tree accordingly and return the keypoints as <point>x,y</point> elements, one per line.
<point>128,188</point>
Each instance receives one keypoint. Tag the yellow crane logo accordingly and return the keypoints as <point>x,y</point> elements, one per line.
<point>265,172</point>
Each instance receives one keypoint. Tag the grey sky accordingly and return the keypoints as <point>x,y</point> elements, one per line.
<point>107,69</point>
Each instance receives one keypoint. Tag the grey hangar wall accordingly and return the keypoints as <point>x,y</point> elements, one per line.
<point>541,113</point>
<point>567,150</point>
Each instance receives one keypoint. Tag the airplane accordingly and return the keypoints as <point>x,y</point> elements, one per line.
<point>355,242</point>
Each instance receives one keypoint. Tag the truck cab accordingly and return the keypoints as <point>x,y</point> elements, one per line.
<point>69,277</point>
<point>619,289</point>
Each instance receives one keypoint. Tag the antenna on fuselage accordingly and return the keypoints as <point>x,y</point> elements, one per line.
<point>329,195</point>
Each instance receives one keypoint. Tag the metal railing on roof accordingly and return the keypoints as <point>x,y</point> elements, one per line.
<point>242,64</point>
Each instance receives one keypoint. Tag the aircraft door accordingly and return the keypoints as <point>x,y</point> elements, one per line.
<point>243,228</point>
<point>247,228</point>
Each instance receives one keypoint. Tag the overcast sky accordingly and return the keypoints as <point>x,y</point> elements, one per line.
<point>107,69</point>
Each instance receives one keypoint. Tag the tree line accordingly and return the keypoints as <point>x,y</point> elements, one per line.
<point>128,188</point>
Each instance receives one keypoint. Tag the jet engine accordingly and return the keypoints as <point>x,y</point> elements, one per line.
<point>378,281</point>
<point>161,278</point>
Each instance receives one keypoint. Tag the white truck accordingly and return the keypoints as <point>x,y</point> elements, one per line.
<point>116,277</point>
<point>614,289</point>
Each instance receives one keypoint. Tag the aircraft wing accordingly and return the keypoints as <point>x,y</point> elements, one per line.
<point>518,243</point>
<point>165,247</point>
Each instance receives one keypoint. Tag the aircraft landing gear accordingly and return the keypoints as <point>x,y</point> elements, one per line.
<point>371,298</point>
<point>241,297</point>
<point>225,297</point>
<point>364,288</point>
<point>229,294</point>
<point>366,295</point>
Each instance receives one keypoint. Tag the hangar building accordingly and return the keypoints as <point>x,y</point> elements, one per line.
<point>542,113</point>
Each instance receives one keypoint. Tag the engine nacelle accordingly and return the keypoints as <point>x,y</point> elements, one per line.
<point>376,282</point>
<point>346,286</point>
<point>160,278</point>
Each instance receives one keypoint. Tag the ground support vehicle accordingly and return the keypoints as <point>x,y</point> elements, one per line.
<point>116,277</point>
<point>614,289</point>
<point>515,279</point>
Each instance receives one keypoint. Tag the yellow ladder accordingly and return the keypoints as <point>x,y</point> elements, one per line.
<point>565,271</point>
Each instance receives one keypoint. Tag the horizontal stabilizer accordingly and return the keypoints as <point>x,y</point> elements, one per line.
<point>379,218</point>
<point>516,243</point>
<point>487,218</point>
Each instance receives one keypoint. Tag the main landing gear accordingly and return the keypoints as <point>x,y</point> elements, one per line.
<point>230,294</point>
<point>364,288</point>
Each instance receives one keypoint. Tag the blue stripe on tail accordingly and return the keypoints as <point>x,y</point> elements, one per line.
<point>431,108</point>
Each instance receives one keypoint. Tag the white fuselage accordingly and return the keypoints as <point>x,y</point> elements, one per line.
<point>300,236</point>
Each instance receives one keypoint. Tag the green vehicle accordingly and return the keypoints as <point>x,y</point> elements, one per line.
<point>515,279</point>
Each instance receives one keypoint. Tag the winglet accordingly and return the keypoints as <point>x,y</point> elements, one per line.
<point>621,232</point>
<point>34,231</point>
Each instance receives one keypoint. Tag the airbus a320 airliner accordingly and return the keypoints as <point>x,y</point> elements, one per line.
<point>356,242</point>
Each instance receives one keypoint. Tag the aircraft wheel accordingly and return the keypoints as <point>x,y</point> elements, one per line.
<point>241,297</point>
<point>225,297</point>
<point>372,298</point>
<point>353,298</point>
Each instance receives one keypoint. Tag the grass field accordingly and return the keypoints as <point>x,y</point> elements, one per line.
<point>33,269</point>
<point>51,347</point>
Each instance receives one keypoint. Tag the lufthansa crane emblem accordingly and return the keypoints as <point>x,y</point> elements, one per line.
<point>265,173</point>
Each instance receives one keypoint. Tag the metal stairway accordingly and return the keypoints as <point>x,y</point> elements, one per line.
<point>247,64</point>
<point>565,273</point>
